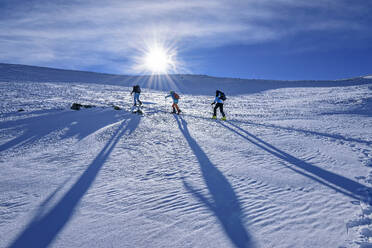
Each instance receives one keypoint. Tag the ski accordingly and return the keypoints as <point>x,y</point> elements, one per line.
<point>137,109</point>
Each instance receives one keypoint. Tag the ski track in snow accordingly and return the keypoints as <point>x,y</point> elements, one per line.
<point>290,168</point>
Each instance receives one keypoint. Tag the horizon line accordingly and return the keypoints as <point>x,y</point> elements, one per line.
<point>188,74</point>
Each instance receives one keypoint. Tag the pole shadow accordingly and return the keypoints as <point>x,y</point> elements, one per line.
<point>224,203</point>
<point>332,180</point>
<point>333,136</point>
<point>42,230</point>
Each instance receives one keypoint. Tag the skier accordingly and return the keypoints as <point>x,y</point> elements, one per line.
<point>220,97</point>
<point>175,98</point>
<point>137,91</point>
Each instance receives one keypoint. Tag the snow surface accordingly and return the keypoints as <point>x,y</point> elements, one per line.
<point>290,168</point>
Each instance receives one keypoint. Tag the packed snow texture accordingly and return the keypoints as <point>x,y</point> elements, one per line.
<point>291,167</point>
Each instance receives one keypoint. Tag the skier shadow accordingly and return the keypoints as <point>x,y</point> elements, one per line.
<point>225,205</point>
<point>42,230</point>
<point>332,180</point>
<point>79,124</point>
<point>363,108</point>
<point>333,136</point>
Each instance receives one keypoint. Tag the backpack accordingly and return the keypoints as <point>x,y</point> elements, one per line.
<point>176,96</point>
<point>222,96</point>
<point>137,89</point>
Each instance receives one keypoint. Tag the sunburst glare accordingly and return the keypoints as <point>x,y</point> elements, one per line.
<point>157,58</point>
<point>158,61</point>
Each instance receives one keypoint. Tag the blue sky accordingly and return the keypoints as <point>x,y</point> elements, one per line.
<point>266,39</point>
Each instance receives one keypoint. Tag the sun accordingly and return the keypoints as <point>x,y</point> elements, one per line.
<point>155,58</point>
<point>158,61</point>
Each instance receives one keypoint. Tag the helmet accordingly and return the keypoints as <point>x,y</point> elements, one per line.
<point>171,92</point>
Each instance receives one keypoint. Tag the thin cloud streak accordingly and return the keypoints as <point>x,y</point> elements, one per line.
<point>53,32</point>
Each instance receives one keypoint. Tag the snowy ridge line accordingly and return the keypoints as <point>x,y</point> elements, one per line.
<point>19,71</point>
<point>337,182</point>
<point>186,84</point>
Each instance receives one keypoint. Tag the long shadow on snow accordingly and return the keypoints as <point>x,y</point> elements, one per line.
<point>337,182</point>
<point>41,231</point>
<point>78,123</point>
<point>333,136</point>
<point>225,205</point>
<point>25,113</point>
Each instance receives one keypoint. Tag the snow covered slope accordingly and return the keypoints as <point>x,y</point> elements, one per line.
<point>292,166</point>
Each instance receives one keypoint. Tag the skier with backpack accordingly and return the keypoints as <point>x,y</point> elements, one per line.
<point>137,91</point>
<point>219,100</point>
<point>175,98</point>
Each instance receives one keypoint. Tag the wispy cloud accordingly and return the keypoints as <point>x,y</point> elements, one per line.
<point>79,34</point>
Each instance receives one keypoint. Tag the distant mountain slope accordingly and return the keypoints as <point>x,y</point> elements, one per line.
<point>13,72</point>
<point>190,84</point>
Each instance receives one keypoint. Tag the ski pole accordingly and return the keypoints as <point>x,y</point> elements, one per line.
<point>165,105</point>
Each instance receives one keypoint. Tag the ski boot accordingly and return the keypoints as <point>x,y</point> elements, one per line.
<point>214,117</point>
<point>223,118</point>
<point>173,111</point>
<point>179,111</point>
